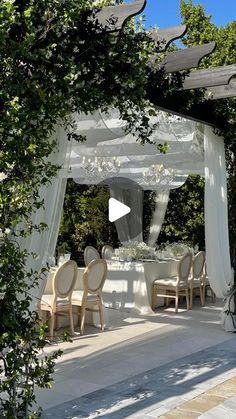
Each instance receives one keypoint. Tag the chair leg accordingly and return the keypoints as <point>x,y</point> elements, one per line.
<point>153,298</point>
<point>201,295</point>
<point>100,306</point>
<point>191,299</point>
<point>187,298</point>
<point>52,323</point>
<point>82,318</point>
<point>213,296</point>
<point>71,321</point>
<point>176,302</point>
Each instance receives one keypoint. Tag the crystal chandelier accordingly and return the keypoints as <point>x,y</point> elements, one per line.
<point>100,167</point>
<point>157,173</point>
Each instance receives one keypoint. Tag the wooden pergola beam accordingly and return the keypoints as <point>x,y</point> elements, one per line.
<point>216,76</point>
<point>187,58</point>
<point>113,18</point>
<point>163,37</point>
<point>222,92</point>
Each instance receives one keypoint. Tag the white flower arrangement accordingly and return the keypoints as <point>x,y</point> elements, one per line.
<point>136,251</point>
<point>178,248</point>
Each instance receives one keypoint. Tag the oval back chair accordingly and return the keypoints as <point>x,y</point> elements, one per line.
<point>90,253</point>
<point>63,283</point>
<point>107,252</point>
<point>197,276</point>
<point>184,268</point>
<point>93,280</point>
<point>172,288</point>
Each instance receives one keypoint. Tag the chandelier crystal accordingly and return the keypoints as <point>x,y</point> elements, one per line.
<point>100,167</point>
<point>157,173</point>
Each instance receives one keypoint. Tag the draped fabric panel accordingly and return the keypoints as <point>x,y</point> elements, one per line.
<point>161,199</point>
<point>216,215</point>
<point>43,244</point>
<point>129,227</point>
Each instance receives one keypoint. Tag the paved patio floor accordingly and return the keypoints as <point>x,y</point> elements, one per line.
<point>144,367</point>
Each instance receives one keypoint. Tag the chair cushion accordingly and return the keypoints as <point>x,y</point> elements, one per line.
<point>169,283</point>
<point>77,297</point>
<point>47,302</point>
<point>195,282</point>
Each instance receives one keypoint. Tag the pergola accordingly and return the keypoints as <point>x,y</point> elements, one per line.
<point>193,148</point>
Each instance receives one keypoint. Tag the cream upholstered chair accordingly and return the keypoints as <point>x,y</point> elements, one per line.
<point>196,276</point>
<point>175,286</point>
<point>90,253</point>
<point>93,281</point>
<point>107,252</point>
<point>63,283</point>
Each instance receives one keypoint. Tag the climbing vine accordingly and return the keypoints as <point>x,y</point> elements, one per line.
<point>55,60</point>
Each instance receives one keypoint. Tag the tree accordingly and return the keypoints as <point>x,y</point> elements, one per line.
<point>184,220</point>
<point>85,219</point>
<point>201,30</point>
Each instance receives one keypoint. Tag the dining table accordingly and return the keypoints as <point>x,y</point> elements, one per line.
<point>128,285</point>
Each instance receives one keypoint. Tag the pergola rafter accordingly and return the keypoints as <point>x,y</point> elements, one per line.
<point>187,58</point>
<point>113,18</point>
<point>164,37</point>
<point>215,76</point>
<point>217,81</point>
<point>222,92</point>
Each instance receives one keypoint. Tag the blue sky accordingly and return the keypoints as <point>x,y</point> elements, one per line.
<point>165,13</point>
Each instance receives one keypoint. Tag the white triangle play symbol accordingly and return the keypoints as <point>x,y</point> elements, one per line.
<point>117,209</point>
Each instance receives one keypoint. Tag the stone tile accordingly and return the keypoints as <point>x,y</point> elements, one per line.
<point>155,413</point>
<point>178,414</point>
<point>201,404</point>
<point>219,412</point>
<point>230,403</point>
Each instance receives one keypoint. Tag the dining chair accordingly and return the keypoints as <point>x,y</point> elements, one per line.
<point>175,286</point>
<point>90,253</point>
<point>206,284</point>
<point>196,276</point>
<point>63,283</point>
<point>93,280</point>
<point>107,252</point>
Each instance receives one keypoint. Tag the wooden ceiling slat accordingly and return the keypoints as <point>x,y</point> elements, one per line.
<point>216,76</point>
<point>187,58</point>
<point>112,18</point>
<point>163,37</point>
<point>222,92</point>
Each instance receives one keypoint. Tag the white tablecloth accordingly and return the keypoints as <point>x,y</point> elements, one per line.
<point>129,284</point>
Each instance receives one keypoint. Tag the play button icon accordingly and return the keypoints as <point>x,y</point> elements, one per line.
<point>117,210</point>
<point>125,207</point>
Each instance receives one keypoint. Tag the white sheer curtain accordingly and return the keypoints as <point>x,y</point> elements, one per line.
<point>129,227</point>
<point>216,218</point>
<point>43,244</point>
<point>161,199</point>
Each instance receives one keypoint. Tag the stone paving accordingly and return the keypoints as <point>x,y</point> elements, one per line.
<point>211,404</point>
<point>195,384</point>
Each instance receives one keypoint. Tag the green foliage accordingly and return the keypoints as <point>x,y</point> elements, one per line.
<point>201,30</point>
<point>55,60</point>
<point>184,220</point>
<point>85,219</point>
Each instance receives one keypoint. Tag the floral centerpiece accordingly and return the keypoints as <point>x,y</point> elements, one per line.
<point>177,248</point>
<point>133,250</point>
